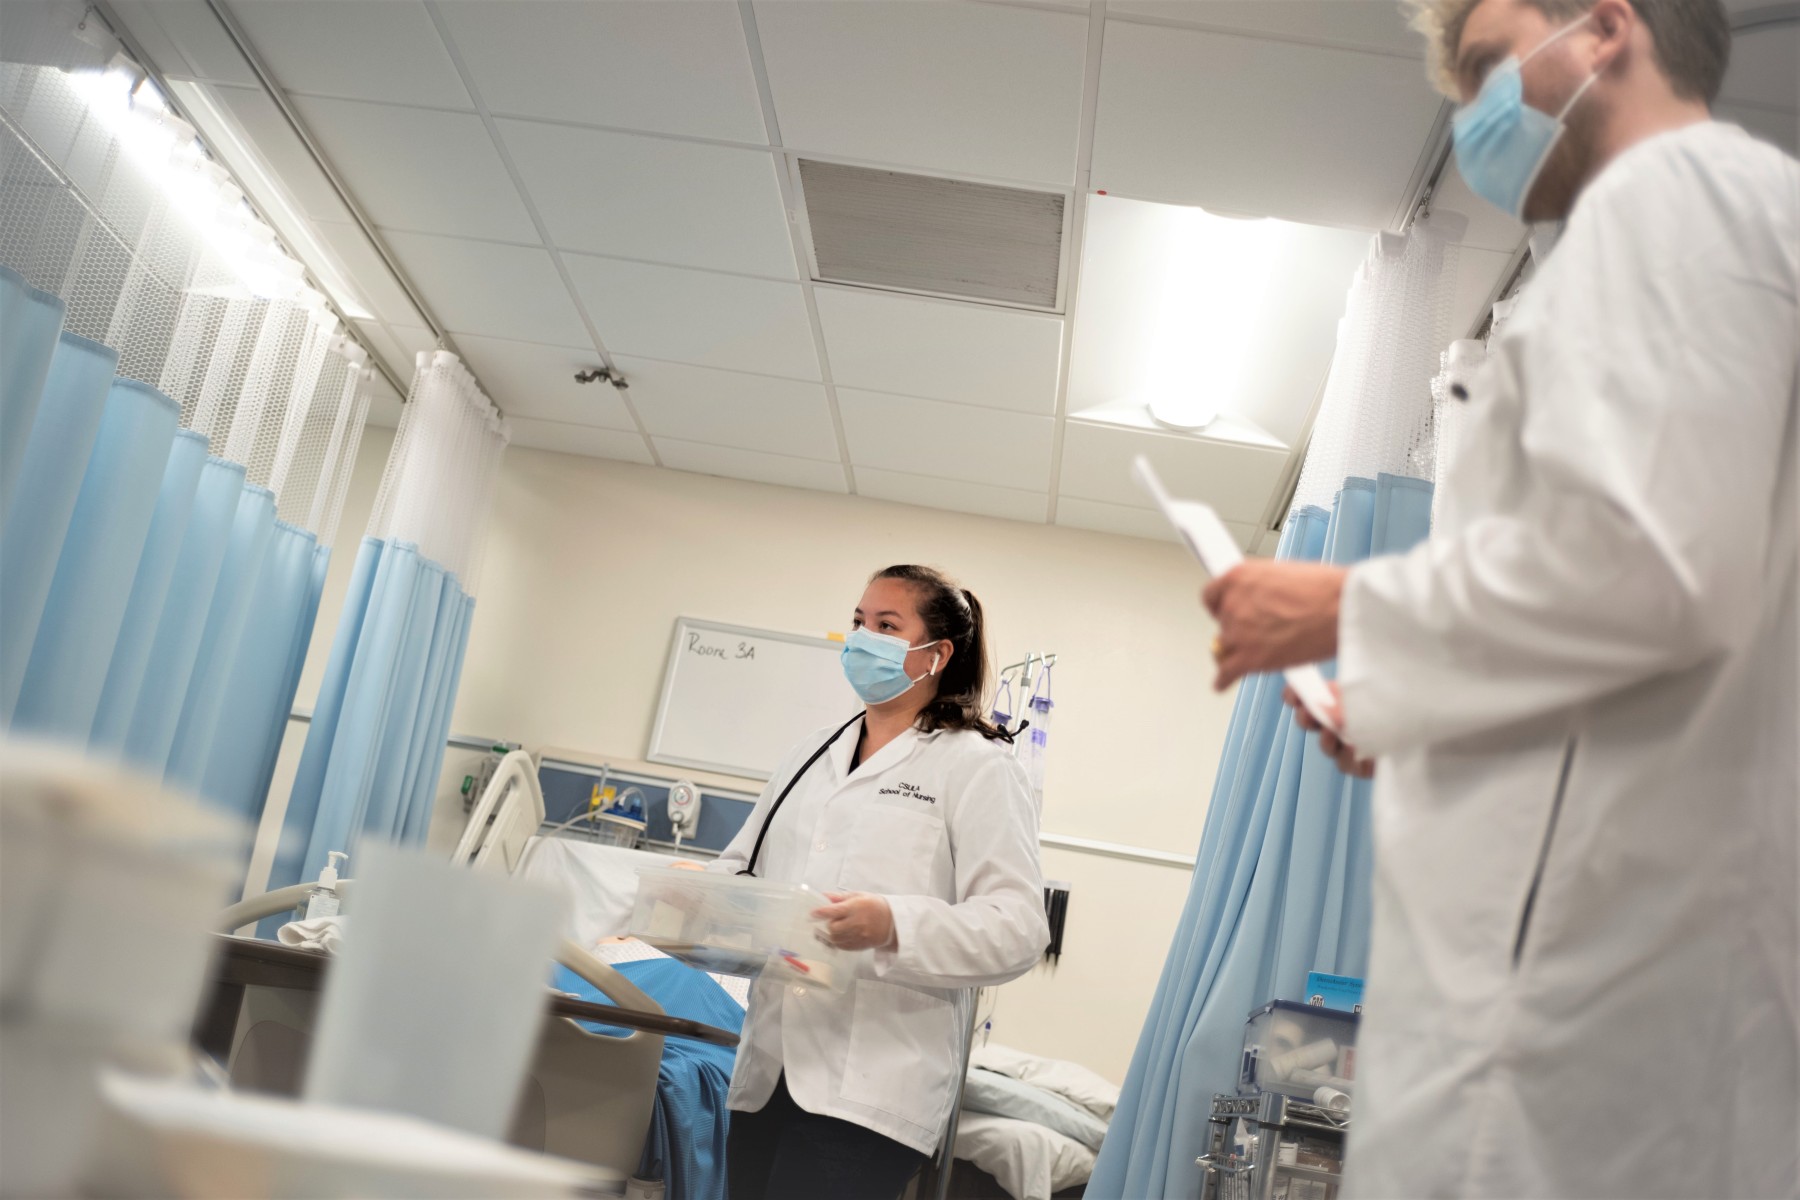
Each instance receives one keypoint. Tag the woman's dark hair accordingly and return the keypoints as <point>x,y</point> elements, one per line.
<point>951,614</point>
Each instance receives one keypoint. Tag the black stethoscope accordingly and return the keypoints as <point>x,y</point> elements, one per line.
<point>756,852</point>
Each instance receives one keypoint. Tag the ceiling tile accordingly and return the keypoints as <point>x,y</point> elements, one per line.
<point>532,434</point>
<point>752,465</point>
<point>375,336</point>
<point>152,39</point>
<point>957,496</point>
<point>1138,308</point>
<point>1489,228</point>
<point>1378,25</point>
<point>729,408</point>
<point>950,441</point>
<point>365,271</point>
<point>1216,120</point>
<point>1236,480</point>
<point>501,291</point>
<point>262,130</point>
<point>1477,271</point>
<point>977,89</point>
<point>538,382</point>
<point>1133,522</point>
<point>681,68</point>
<point>971,354</point>
<point>1076,513</point>
<point>203,42</point>
<point>685,203</point>
<point>363,49</point>
<point>422,171</point>
<point>697,317</point>
<point>1780,128</point>
<point>1765,68</point>
<point>413,339</point>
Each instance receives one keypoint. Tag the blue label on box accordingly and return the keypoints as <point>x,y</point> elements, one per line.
<point>1342,992</point>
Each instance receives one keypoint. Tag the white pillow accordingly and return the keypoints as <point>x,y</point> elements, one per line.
<point>990,1092</point>
<point>1072,1081</point>
<point>600,881</point>
<point>1030,1161</point>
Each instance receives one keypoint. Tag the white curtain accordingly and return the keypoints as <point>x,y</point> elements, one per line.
<point>376,742</point>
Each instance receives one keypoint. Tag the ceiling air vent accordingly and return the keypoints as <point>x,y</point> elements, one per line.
<point>945,237</point>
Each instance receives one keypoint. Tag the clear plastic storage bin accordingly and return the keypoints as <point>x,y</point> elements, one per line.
<point>737,925</point>
<point>1301,1050</point>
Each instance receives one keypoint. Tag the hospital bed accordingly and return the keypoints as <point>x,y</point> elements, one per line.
<point>587,1096</point>
<point>1012,1153</point>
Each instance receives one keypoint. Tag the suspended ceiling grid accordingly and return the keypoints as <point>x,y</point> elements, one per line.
<point>568,184</point>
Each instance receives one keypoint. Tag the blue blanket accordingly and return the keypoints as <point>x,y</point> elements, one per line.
<point>686,1146</point>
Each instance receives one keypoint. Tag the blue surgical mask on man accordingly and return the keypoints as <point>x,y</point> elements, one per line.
<point>875,665</point>
<point>1501,142</point>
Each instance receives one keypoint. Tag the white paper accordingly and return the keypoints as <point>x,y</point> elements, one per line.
<point>1206,536</point>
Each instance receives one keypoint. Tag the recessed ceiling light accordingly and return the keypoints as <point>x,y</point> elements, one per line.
<point>1215,278</point>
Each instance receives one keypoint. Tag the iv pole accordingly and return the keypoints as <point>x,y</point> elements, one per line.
<point>936,1186</point>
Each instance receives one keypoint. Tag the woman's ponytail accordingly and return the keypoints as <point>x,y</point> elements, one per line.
<point>952,613</point>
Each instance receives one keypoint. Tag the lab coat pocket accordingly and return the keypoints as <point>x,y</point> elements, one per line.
<point>903,1051</point>
<point>897,852</point>
<point>1526,911</point>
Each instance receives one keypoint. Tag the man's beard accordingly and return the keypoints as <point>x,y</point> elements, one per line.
<point>1565,171</point>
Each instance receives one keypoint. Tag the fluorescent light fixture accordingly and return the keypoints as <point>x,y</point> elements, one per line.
<point>222,131</point>
<point>1216,278</point>
<point>167,151</point>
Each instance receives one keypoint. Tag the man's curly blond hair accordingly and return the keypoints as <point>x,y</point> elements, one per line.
<point>1692,38</point>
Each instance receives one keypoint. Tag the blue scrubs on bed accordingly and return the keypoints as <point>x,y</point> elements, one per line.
<point>686,1145</point>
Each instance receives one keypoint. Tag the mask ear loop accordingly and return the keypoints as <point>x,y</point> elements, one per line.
<point>1561,128</point>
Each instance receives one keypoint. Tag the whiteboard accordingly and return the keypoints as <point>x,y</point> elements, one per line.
<point>735,700</point>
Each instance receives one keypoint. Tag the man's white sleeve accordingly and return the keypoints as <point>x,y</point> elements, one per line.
<point>1657,374</point>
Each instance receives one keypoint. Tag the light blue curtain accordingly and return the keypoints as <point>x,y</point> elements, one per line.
<point>376,741</point>
<point>151,605</point>
<point>56,454</point>
<point>79,630</point>
<point>1280,888</point>
<point>29,323</point>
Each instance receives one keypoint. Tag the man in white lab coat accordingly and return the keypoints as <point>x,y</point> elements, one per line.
<point>1580,692</point>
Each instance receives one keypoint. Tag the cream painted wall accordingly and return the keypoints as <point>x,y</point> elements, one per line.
<point>589,563</point>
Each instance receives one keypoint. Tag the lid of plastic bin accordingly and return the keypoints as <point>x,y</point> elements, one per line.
<point>714,881</point>
<point>1295,1006</point>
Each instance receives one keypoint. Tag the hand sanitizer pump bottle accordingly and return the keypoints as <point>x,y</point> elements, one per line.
<point>322,901</point>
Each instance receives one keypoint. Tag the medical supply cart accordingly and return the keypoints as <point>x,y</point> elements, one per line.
<point>1281,1137</point>
<point>1272,1147</point>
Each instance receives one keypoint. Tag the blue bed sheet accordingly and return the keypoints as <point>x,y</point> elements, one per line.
<point>686,1145</point>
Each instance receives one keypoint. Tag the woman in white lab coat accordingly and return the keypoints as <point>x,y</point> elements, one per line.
<point>917,822</point>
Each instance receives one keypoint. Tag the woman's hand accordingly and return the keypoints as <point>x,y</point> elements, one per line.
<point>856,921</point>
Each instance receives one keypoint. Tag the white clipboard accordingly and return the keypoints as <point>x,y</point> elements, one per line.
<point>1206,536</point>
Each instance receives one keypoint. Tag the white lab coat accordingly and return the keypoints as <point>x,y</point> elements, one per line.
<point>944,826</point>
<point>1582,976</point>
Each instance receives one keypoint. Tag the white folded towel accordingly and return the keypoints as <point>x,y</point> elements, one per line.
<point>320,933</point>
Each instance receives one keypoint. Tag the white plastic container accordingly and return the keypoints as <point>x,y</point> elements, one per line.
<point>107,883</point>
<point>737,925</point>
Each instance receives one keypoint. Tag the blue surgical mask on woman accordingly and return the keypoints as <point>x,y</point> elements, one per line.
<point>875,665</point>
<point>1502,142</point>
